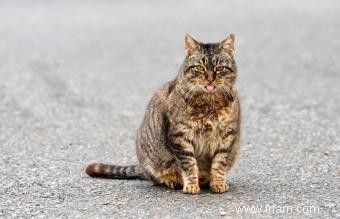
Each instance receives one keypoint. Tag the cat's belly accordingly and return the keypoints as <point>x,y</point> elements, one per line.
<point>206,140</point>
<point>204,166</point>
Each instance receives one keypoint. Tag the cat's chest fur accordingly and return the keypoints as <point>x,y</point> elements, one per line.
<point>208,130</point>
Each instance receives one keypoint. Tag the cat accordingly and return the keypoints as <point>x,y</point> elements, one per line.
<point>190,134</point>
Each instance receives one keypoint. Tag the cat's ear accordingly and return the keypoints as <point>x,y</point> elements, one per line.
<point>227,45</point>
<point>190,45</point>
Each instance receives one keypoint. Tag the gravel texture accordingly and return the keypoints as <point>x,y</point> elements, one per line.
<point>75,78</point>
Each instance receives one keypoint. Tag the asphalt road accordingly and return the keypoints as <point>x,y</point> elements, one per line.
<point>75,77</point>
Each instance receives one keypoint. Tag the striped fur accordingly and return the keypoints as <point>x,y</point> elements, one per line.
<point>191,129</point>
<point>113,171</point>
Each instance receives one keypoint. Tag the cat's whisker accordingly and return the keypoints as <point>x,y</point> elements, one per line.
<point>227,91</point>
<point>191,90</point>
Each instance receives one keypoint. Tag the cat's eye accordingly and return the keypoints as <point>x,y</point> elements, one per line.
<point>200,67</point>
<point>219,68</point>
<point>222,73</point>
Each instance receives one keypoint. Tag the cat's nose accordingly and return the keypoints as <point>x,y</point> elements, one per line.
<point>210,76</point>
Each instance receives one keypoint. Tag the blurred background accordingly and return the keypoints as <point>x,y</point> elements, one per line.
<point>75,78</point>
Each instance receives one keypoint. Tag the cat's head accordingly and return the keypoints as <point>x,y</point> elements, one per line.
<point>209,68</point>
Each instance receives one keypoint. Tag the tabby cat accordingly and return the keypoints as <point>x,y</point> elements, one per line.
<point>191,130</point>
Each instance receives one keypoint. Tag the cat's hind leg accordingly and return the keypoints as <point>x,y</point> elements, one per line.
<point>171,178</point>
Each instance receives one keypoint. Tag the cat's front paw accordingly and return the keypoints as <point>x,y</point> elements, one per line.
<point>218,187</point>
<point>191,189</point>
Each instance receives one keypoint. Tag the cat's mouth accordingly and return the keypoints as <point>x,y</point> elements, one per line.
<point>210,88</point>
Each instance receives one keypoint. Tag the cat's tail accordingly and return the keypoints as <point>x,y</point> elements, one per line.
<point>101,170</point>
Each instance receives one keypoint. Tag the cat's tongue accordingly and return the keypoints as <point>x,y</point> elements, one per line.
<point>210,88</point>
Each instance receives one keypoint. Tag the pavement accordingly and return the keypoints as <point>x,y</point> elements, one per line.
<point>75,78</point>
